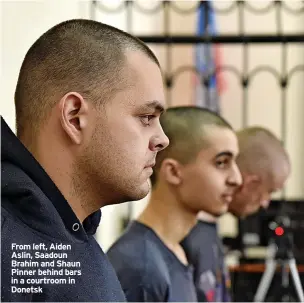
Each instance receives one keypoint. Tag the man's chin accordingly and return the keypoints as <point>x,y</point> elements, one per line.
<point>236,211</point>
<point>140,192</point>
<point>220,212</point>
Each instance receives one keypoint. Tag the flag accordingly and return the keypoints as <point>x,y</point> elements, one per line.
<point>207,59</point>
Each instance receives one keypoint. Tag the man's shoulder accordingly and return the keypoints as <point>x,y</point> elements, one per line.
<point>205,227</point>
<point>199,243</point>
<point>9,222</point>
<point>140,267</point>
<point>138,253</point>
<point>201,234</point>
<point>14,230</point>
<point>135,246</point>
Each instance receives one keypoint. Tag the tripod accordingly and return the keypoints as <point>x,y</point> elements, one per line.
<point>283,255</point>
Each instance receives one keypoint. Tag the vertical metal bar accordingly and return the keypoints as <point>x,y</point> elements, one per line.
<point>284,80</point>
<point>168,64</point>
<point>93,10</point>
<point>245,84</point>
<point>283,71</point>
<point>129,19</point>
<point>245,80</point>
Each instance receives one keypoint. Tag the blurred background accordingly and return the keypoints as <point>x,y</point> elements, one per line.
<point>244,59</point>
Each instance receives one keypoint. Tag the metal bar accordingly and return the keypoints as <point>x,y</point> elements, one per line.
<point>245,53</point>
<point>227,39</point>
<point>169,51</point>
<point>284,64</point>
<point>129,19</point>
<point>93,10</point>
<point>245,85</point>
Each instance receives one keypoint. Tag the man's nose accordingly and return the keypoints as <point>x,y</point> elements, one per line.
<point>236,176</point>
<point>160,141</point>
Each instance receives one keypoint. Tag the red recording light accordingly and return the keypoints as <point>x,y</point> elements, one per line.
<point>279,231</point>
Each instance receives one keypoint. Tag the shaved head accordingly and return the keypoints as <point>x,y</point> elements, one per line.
<point>79,55</point>
<point>261,152</point>
<point>265,167</point>
<point>187,128</point>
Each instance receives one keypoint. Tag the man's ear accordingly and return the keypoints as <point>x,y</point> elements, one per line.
<point>171,170</point>
<point>74,116</point>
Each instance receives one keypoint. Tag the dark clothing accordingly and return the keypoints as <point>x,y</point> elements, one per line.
<point>204,251</point>
<point>35,214</point>
<point>148,270</point>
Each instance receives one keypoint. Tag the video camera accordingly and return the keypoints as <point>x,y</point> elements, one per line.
<point>281,237</point>
<point>282,223</point>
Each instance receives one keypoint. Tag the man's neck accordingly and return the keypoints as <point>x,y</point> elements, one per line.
<point>58,167</point>
<point>168,219</point>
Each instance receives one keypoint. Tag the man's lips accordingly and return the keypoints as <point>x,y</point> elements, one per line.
<point>150,165</point>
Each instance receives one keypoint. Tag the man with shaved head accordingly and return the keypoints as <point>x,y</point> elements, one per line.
<point>265,167</point>
<point>197,167</point>
<point>88,101</point>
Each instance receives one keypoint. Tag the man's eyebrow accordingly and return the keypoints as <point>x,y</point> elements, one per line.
<point>225,153</point>
<point>156,105</point>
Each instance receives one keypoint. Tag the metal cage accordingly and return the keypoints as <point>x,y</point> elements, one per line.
<point>245,77</point>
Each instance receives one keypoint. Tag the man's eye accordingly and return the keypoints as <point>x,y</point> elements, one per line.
<point>222,163</point>
<point>146,119</point>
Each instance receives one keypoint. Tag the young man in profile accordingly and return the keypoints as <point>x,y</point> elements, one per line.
<point>265,167</point>
<point>88,101</point>
<point>198,165</point>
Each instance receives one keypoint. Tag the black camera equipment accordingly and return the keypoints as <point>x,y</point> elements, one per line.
<point>280,254</point>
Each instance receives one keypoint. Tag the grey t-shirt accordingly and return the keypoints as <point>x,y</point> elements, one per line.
<point>204,251</point>
<point>148,270</point>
